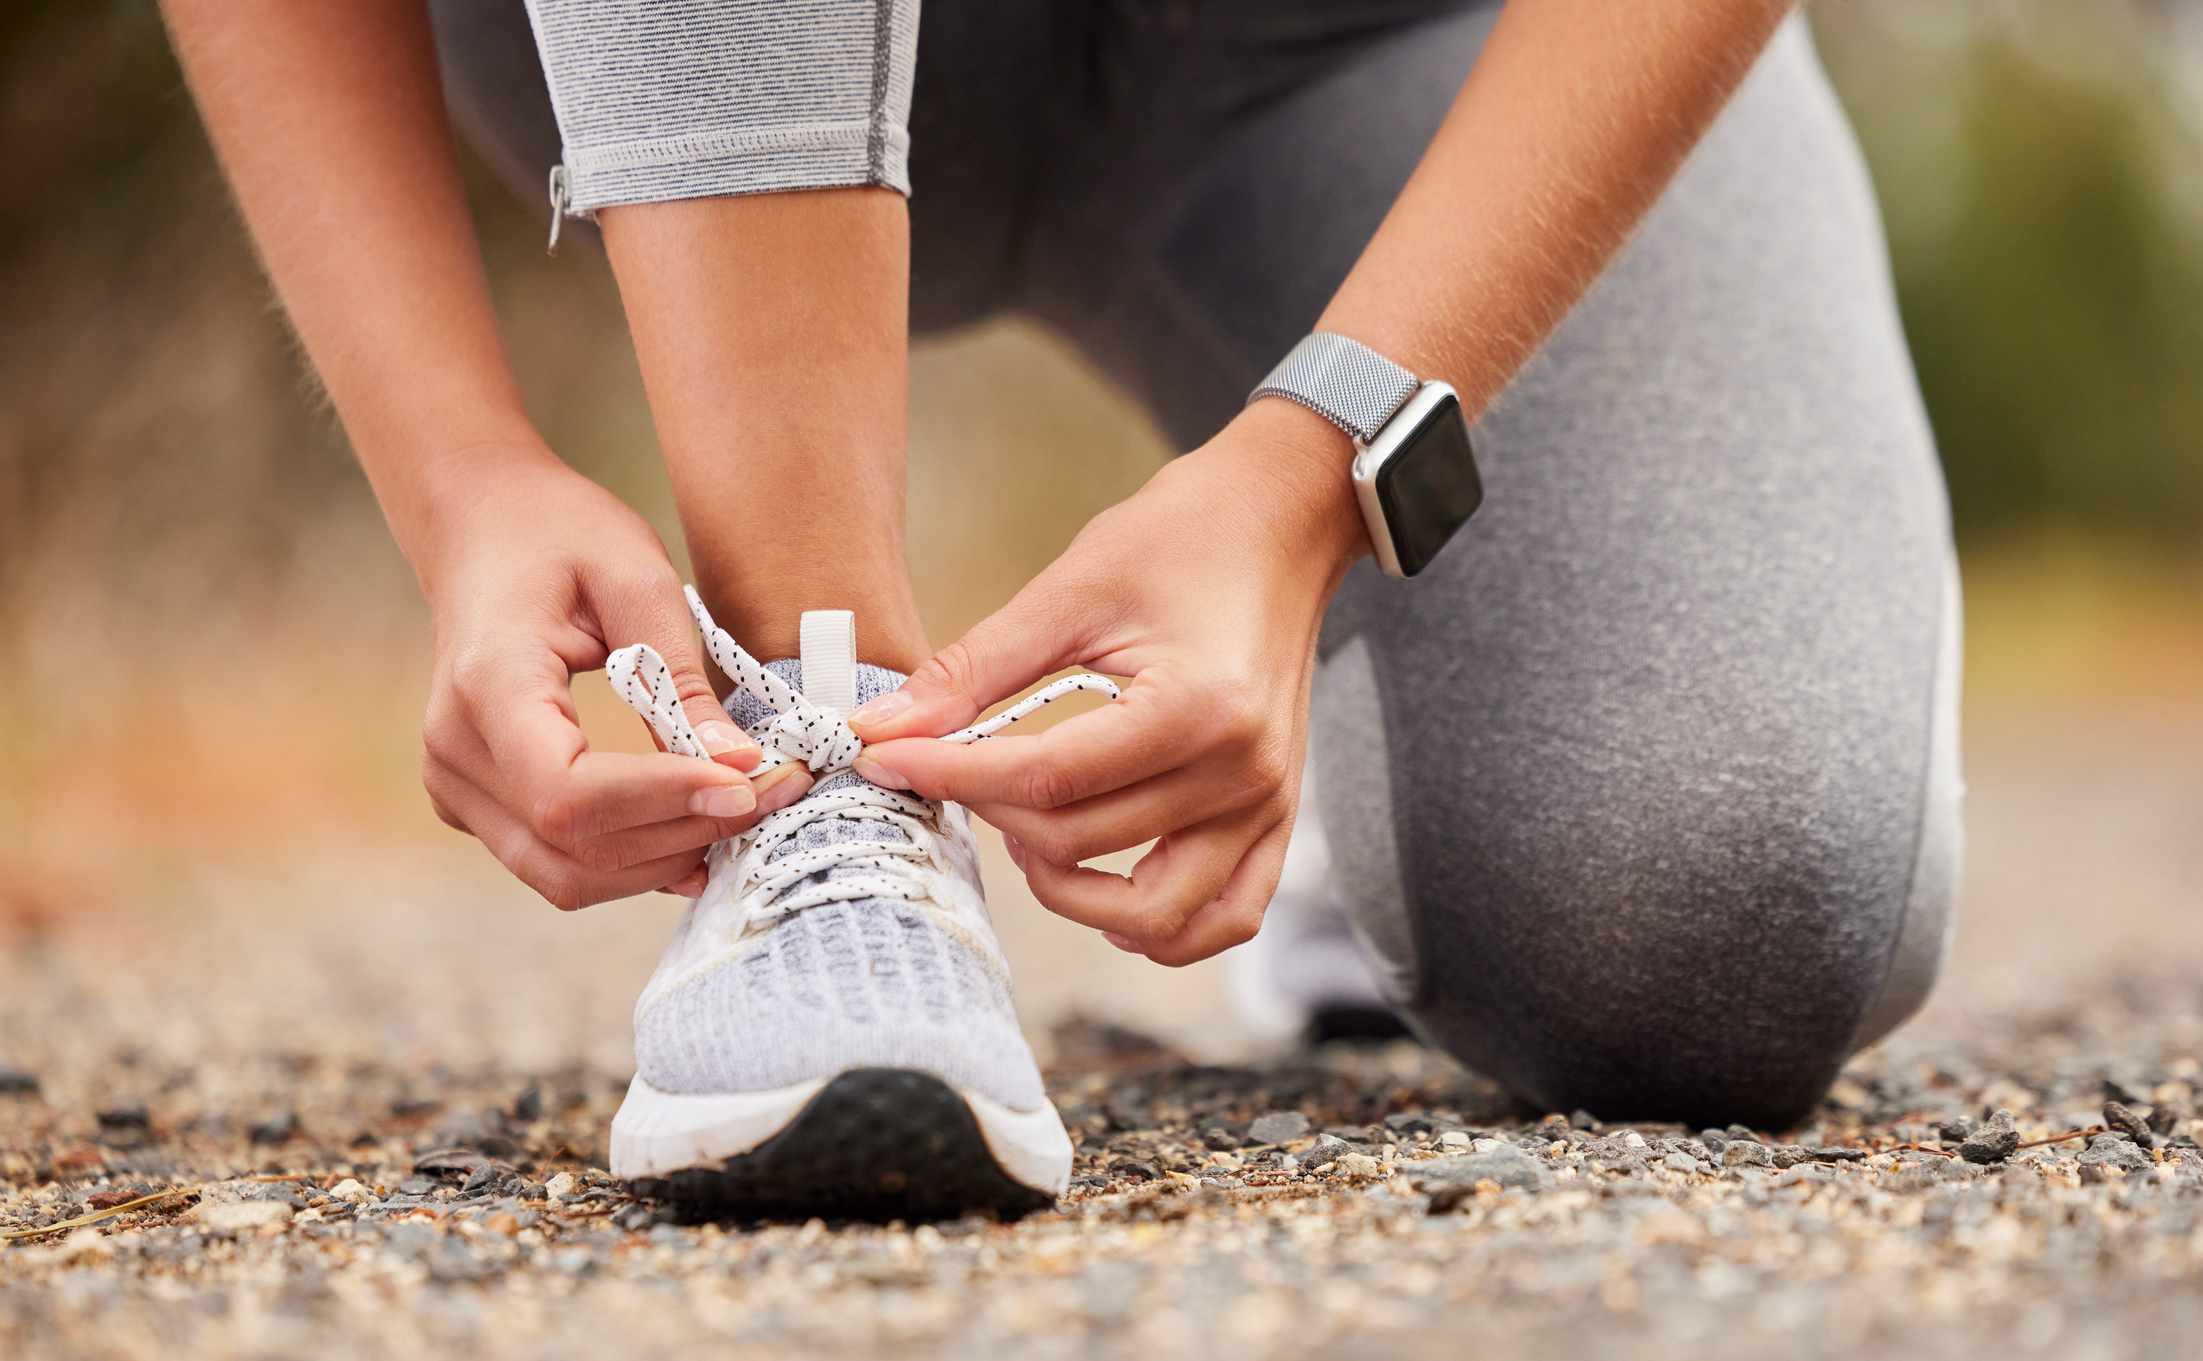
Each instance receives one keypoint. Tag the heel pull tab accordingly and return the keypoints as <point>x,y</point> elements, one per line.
<point>830,660</point>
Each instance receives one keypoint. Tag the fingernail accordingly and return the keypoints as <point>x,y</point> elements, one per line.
<point>691,887</point>
<point>882,709</point>
<point>878,774</point>
<point>1016,849</point>
<point>720,739</point>
<point>1124,943</point>
<point>722,800</point>
<point>781,786</point>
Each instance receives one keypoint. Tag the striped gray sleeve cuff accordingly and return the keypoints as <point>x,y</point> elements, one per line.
<point>674,99</point>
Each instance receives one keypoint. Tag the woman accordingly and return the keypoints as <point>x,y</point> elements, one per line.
<point>1642,796</point>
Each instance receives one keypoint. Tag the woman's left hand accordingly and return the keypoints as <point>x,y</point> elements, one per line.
<point>1207,588</point>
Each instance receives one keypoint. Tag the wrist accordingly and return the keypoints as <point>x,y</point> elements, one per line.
<point>440,506</point>
<point>1296,471</point>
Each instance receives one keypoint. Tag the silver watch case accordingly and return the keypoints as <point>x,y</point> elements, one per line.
<point>1370,460</point>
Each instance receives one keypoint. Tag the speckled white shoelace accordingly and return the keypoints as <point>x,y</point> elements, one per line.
<point>766,889</point>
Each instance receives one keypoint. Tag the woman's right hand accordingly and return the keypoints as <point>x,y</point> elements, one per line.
<point>537,575</point>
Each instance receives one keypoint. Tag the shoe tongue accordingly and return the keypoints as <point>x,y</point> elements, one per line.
<point>830,660</point>
<point>752,715</point>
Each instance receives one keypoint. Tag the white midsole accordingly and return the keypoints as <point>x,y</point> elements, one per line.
<point>656,1133</point>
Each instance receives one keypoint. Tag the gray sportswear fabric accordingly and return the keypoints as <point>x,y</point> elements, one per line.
<point>1645,795</point>
<point>666,99</point>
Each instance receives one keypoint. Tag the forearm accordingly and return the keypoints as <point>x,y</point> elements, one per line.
<point>1577,115</point>
<point>329,119</point>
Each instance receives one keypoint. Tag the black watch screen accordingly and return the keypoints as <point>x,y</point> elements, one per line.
<point>1429,488</point>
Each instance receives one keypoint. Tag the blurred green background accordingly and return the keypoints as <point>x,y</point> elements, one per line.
<point>210,651</point>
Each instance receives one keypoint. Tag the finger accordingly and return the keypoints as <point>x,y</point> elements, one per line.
<point>1004,653</point>
<point>1124,818</point>
<point>651,609</point>
<point>780,787</point>
<point>1233,916</point>
<point>1168,885</point>
<point>691,887</point>
<point>564,881</point>
<point>1156,727</point>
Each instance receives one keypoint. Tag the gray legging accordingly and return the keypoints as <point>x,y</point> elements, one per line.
<point>1644,798</point>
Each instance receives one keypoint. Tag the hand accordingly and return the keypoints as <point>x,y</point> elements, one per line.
<point>538,576</point>
<point>1207,588</point>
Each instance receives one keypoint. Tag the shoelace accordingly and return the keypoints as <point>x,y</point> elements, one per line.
<point>765,889</point>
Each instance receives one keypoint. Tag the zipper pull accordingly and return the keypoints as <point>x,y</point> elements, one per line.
<point>561,195</point>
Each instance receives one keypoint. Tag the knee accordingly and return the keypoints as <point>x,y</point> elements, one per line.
<point>1715,976</point>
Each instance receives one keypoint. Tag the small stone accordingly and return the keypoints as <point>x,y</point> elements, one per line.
<point>1326,1148</point>
<point>1135,1167</point>
<point>1993,1142</point>
<point>1508,1166</point>
<point>415,1186</point>
<point>351,1192</point>
<point>87,1245</point>
<point>125,1117</point>
<point>528,1106</point>
<point>2128,1125</point>
<point>563,1184</point>
<point>2112,1150</point>
<point>483,1178</point>
<point>1583,1119</point>
<point>502,1222</point>
<point>243,1216</point>
<point>1554,1126</point>
<point>1279,1127</point>
<point>1632,1139</point>
<point>14,1082</point>
<point>535,1191</point>
<point>1714,1140</point>
<point>2163,1120</point>
<point>1735,1133</point>
<point>1455,1139</point>
<point>1954,1130</point>
<point>1219,1138</point>
<point>280,1127</point>
<point>1840,1155</point>
<point>2114,1092</point>
<point>1682,1163</point>
<point>1747,1153</point>
<point>1408,1122</point>
<point>1359,1165</point>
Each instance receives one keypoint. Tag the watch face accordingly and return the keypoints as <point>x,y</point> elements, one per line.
<point>1429,487</point>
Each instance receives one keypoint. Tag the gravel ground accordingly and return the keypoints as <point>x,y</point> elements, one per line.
<point>417,1026</point>
<point>1354,1201</point>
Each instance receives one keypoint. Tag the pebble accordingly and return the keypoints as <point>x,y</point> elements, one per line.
<point>2128,1125</point>
<point>1747,1153</point>
<point>240,1216</point>
<point>351,1192</point>
<point>1326,1148</point>
<point>1507,1166</point>
<point>564,1184</point>
<point>1279,1127</point>
<point>1455,1139</point>
<point>281,1127</point>
<point>14,1082</point>
<point>2112,1150</point>
<point>1993,1142</point>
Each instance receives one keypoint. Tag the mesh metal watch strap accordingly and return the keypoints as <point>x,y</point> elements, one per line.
<point>1345,382</point>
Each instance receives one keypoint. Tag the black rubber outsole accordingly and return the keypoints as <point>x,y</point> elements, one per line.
<point>874,1144</point>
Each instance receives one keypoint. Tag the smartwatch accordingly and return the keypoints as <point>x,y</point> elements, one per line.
<point>1413,470</point>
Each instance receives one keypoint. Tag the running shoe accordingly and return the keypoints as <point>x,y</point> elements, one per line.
<point>830,1031</point>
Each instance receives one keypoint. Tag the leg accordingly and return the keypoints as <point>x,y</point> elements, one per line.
<point>1644,797</point>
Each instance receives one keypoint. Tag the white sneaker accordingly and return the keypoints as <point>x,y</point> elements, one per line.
<point>830,1030</point>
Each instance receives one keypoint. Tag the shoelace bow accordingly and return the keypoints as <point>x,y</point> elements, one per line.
<point>766,889</point>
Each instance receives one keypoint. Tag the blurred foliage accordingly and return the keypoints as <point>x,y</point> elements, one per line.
<point>2040,184</point>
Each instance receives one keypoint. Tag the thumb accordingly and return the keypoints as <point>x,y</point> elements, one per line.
<point>657,615</point>
<point>1004,653</point>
